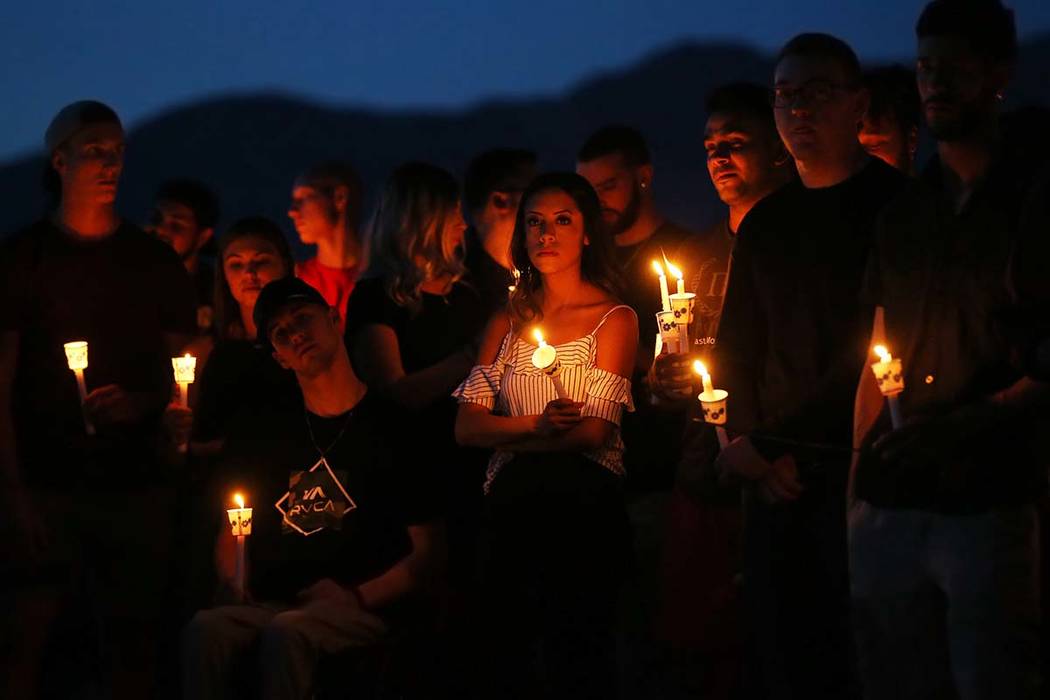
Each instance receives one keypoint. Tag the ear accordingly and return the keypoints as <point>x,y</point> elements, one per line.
<point>58,160</point>
<point>333,315</point>
<point>645,177</point>
<point>340,198</point>
<point>204,236</point>
<point>861,104</point>
<point>277,358</point>
<point>586,239</point>
<point>501,201</point>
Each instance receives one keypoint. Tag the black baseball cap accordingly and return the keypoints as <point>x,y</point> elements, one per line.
<point>274,297</point>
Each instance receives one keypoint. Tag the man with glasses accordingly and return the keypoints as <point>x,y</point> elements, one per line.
<point>790,347</point>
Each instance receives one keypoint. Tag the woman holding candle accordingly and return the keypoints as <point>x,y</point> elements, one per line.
<point>237,375</point>
<point>557,533</point>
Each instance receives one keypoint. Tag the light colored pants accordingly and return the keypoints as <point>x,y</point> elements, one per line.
<point>289,644</point>
<point>946,606</point>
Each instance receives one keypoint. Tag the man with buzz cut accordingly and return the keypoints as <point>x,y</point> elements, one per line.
<point>88,507</point>
<point>790,347</point>
<point>347,538</point>
<point>944,534</point>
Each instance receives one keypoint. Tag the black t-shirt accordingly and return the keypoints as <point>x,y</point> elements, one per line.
<point>966,298</point>
<point>706,260</point>
<point>442,326</point>
<point>651,436</point>
<point>238,377</point>
<point>490,279</point>
<point>121,294</point>
<point>794,332</point>
<point>346,521</point>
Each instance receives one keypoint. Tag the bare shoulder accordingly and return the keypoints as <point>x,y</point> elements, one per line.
<point>498,326</point>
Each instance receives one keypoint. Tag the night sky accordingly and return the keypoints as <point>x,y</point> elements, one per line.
<point>143,58</point>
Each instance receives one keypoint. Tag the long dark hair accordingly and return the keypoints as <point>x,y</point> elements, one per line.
<point>596,264</point>
<point>228,325</point>
<point>406,236</point>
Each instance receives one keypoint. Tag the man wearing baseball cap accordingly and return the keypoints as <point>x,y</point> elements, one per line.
<point>346,534</point>
<point>87,505</point>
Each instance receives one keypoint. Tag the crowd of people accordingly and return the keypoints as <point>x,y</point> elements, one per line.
<point>475,467</point>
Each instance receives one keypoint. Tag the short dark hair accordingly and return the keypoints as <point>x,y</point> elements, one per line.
<point>824,46</point>
<point>894,94</point>
<point>497,170</point>
<point>326,176</point>
<point>986,25</point>
<point>616,139</point>
<point>195,195</point>
<point>751,99</point>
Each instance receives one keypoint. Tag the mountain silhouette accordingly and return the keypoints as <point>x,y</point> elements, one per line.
<point>250,147</point>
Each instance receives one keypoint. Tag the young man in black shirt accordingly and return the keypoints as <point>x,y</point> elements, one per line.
<point>747,161</point>
<point>944,555</point>
<point>492,187</point>
<point>89,508</point>
<point>345,537</point>
<point>790,345</point>
<point>184,216</point>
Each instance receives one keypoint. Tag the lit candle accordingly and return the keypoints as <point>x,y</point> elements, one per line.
<point>682,307</point>
<point>677,274</point>
<point>664,295</point>
<point>185,369</point>
<point>890,376</point>
<point>77,357</point>
<point>241,526</point>
<point>713,404</point>
<point>545,358</point>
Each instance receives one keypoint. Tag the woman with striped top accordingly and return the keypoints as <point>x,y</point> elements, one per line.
<point>556,523</point>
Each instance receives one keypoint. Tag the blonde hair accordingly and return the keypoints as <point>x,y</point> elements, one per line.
<point>406,244</point>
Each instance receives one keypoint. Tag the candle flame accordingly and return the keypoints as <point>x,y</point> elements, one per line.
<point>539,337</point>
<point>699,368</point>
<point>658,268</point>
<point>675,272</point>
<point>883,353</point>
<point>239,500</point>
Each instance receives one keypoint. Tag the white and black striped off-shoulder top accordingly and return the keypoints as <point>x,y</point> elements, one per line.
<point>512,386</point>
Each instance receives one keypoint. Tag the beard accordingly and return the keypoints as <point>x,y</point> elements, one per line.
<point>967,120</point>
<point>629,216</point>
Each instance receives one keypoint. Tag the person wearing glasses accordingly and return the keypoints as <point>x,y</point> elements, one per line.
<point>790,348</point>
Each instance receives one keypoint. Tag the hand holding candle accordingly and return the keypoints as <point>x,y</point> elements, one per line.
<point>546,358</point>
<point>77,357</point>
<point>713,404</point>
<point>890,376</point>
<point>241,526</point>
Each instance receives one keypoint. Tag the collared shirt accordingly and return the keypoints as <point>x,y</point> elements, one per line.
<point>792,339</point>
<point>955,317</point>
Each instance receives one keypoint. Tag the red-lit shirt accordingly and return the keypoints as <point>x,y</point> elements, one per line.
<point>334,283</point>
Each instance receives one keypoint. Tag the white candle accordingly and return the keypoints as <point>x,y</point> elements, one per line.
<point>185,369</point>
<point>665,297</point>
<point>545,358</point>
<point>677,274</point>
<point>241,526</point>
<point>890,376</point>
<point>713,402</point>
<point>77,358</point>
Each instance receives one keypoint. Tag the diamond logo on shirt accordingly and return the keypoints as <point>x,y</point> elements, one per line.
<point>316,499</point>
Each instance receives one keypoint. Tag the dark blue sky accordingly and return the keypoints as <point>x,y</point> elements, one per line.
<point>143,58</point>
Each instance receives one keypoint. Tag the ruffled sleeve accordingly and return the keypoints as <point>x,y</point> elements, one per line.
<point>608,395</point>
<point>481,386</point>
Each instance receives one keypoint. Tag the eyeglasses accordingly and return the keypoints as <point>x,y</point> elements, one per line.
<point>813,92</point>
